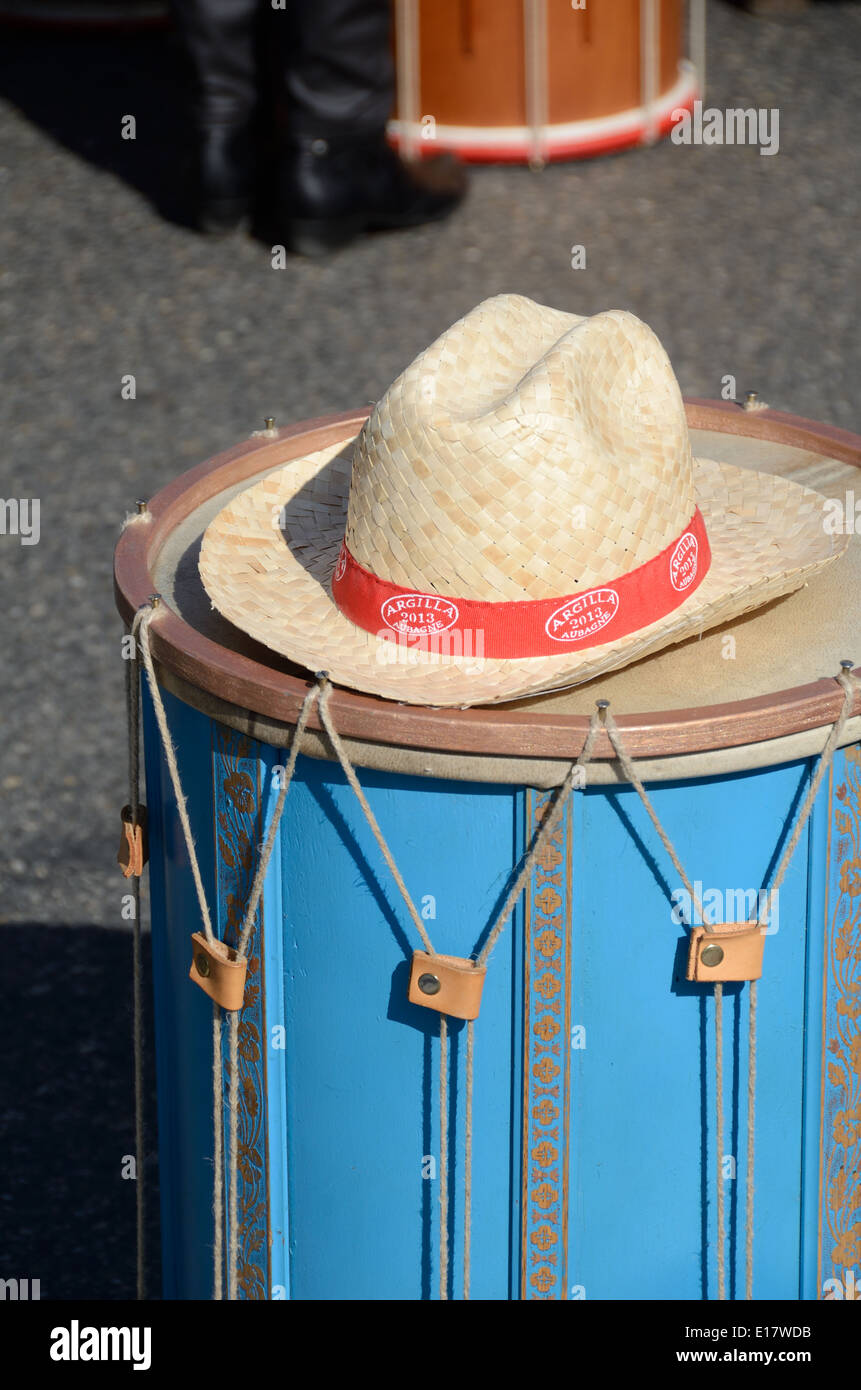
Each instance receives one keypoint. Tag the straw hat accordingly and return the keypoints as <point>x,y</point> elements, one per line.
<point>521,512</point>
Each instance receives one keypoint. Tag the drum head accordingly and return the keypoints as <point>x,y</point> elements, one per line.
<point>755,692</point>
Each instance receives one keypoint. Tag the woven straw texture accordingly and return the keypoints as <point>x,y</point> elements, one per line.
<point>527,454</point>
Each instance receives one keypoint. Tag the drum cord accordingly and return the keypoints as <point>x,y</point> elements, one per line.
<point>850,687</point>
<point>140,630</point>
<point>601,717</point>
<point>535,54</point>
<point>540,839</point>
<point>133,716</point>
<point>321,693</point>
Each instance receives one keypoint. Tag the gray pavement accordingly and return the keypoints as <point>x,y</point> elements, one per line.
<point>743,264</point>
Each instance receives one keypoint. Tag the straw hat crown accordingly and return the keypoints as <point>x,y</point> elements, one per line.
<point>526,453</point>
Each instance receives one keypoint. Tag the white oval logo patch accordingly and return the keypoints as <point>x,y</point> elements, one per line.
<point>683,562</point>
<point>582,616</point>
<point>419,614</point>
<point>341,567</point>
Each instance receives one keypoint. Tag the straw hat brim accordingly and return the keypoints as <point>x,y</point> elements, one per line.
<point>268,557</point>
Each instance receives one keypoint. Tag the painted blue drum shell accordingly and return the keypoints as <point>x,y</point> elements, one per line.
<point>593,1162</point>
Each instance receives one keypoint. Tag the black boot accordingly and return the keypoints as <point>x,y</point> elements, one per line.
<point>225,175</point>
<point>332,188</point>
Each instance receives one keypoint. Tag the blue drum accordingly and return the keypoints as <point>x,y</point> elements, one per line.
<point>594,1169</point>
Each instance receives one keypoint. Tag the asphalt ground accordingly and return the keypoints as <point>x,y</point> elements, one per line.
<point>743,264</point>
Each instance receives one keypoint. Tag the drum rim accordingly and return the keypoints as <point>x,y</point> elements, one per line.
<point>241,680</point>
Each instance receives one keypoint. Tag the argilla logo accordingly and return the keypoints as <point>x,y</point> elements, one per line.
<point>683,562</point>
<point>419,614</point>
<point>582,616</point>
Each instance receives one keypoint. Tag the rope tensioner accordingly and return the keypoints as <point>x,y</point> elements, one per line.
<point>726,952</point>
<point>450,984</point>
<point>133,852</point>
<point>219,970</point>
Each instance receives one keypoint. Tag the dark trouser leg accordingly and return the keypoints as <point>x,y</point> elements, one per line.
<point>221,39</point>
<point>338,66</point>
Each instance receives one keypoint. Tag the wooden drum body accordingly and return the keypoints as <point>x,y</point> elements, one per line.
<point>593,1125</point>
<point>520,80</point>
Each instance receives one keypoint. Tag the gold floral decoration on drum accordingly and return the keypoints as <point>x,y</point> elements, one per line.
<point>842,1179</point>
<point>547,950</point>
<point>237,833</point>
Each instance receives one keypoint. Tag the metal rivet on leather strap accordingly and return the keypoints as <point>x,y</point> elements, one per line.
<point>711,955</point>
<point>202,963</point>
<point>429,984</point>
